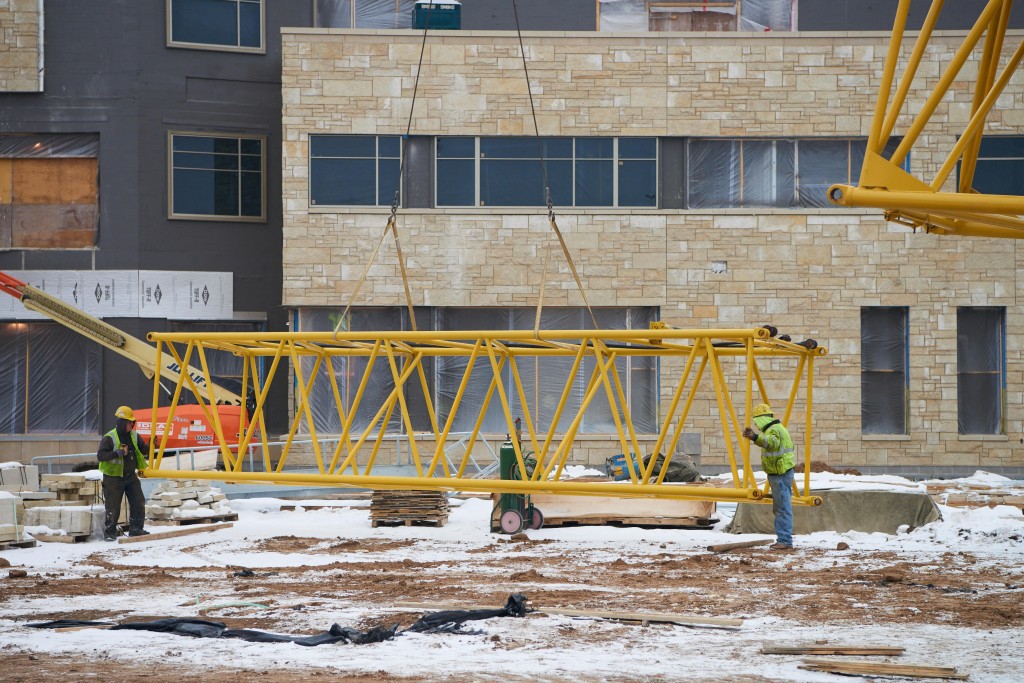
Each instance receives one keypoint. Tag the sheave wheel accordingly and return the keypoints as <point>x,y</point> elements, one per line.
<point>511,522</point>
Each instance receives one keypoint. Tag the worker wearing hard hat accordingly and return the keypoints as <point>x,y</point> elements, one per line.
<point>777,461</point>
<point>122,457</point>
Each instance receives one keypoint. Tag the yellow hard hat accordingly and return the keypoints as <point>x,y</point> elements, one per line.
<point>126,413</point>
<point>762,409</point>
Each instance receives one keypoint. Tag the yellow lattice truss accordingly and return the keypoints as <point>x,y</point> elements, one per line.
<point>705,357</point>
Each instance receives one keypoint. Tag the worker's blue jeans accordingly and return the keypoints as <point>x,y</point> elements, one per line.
<point>782,505</point>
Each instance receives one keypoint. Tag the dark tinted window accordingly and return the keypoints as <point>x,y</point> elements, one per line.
<point>216,176</point>
<point>228,23</point>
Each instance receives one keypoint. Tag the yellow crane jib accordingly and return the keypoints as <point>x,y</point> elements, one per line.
<point>689,361</point>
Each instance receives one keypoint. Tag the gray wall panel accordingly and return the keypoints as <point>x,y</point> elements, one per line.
<point>534,15</point>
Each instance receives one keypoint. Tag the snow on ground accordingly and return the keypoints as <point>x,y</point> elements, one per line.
<point>544,651</point>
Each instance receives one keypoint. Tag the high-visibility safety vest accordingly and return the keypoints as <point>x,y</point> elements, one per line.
<point>776,449</point>
<point>115,468</point>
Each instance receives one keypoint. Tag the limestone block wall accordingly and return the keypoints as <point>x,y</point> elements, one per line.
<point>21,45</point>
<point>808,272</point>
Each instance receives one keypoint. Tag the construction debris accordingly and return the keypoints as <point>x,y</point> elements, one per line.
<point>391,508</point>
<point>863,651</point>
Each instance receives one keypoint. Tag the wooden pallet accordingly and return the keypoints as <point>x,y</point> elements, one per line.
<point>27,543</point>
<point>408,522</point>
<point>186,521</point>
<point>65,538</point>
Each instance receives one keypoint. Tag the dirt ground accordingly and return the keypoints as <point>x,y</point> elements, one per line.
<point>950,591</point>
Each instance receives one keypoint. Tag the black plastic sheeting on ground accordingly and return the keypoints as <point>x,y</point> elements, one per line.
<point>449,621</point>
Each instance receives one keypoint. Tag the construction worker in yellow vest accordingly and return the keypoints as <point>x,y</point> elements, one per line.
<point>777,461</point>
<point>122,457</point>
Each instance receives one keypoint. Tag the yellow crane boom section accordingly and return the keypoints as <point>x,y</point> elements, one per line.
<point>689,361</point>
<point>914,202</point>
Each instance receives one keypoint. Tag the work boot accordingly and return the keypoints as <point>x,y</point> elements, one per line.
<point>109,536</point>
<point>780,546</point>
<point>140,532</point>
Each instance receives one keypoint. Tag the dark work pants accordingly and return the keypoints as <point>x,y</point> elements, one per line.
<point>115,488</point>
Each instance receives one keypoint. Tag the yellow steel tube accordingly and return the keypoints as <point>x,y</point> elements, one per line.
<point>793,389</point>
<point>261,398</point>
<point>478,425</point>
<point>155,455</point>
<point>343,441</point>
<point>452,412</point>
<point>946,80</point>
<point>926,201</point>
<point>414,452</point>
<point>525,405</point>
<point>509,422</point>
<point>629,449</point>
<point>808,435</point>
<point>972,134</point>
<point>218,427</point>
<point>542,455</point>
<point>986,74</point>
<point>570,435</point>
<point>686,411</point>
<point>908,74</point>
<point>727,437</point>
<point>875,143</point>
<point>673,404</point>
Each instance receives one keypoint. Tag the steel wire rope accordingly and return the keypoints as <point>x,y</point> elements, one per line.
<point>392,226</point>
<point>547,194</point>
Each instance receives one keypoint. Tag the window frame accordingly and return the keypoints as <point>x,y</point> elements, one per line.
<point>905,343</point>
<point>999,373</point>
<point>376,171</point>
<point>173,215</point>
<point>261,50</point>
<point>615,161</point>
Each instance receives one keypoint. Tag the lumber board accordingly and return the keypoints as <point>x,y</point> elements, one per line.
<point>181,531</point>
<point>722,547</point>
<point>868,668</point>
<point>61,538</point>
<point>82,628</point>
<point>655,617</point>
<point>833,650</point>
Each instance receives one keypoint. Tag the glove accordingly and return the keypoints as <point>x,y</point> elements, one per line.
<point>749,433</point>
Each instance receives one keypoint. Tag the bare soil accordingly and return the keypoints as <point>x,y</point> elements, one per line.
<point>826,586</point>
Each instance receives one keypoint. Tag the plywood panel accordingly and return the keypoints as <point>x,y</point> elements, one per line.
<point>66,226</point>
<point>5,226</point>
<point>5,181</point>
<point>54,181</point>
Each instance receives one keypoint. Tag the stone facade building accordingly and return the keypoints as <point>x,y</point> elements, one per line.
<point>810,269</point>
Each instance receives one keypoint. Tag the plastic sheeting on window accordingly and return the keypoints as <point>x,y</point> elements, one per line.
<point>883,377</point>
<point>740,173</point>
<point>364,13</point>
<point>754,15</point>
<point>543,379</point>
<point>49,145</point>
<point>980,361</point>
<point>49,380</point>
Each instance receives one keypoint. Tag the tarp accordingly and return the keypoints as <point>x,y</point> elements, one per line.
<point>841,511</point>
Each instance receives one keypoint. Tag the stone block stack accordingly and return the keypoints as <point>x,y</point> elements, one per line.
<point>187,500</point>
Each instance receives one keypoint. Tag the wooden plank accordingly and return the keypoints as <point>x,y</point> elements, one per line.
<point>867,668</point>
<point>656,617</point>
<point>183,531</point>
<point>833,650</point>
<point>723,547</point>
<point>65,538</point>
<point>82,628</point>
<point>187,521</point>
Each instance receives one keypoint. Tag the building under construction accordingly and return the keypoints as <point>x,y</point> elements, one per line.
<point>683,153</point>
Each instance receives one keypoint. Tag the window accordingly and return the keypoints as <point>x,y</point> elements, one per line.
<point>543,379</point>
<point>216,24</point>
<point>884,350</point>
<point>981,369</point>
<point>1000,167</point>
<point>581,172</point>
<point>724,173</point>
<point>49,380</point>
<point>353,170</point>
<point>217,177</point>
<point>49,191</point>
<point>363,13</point>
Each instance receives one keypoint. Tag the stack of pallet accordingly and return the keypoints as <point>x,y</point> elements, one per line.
<point>187,501</point>
<point>392,508</point>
